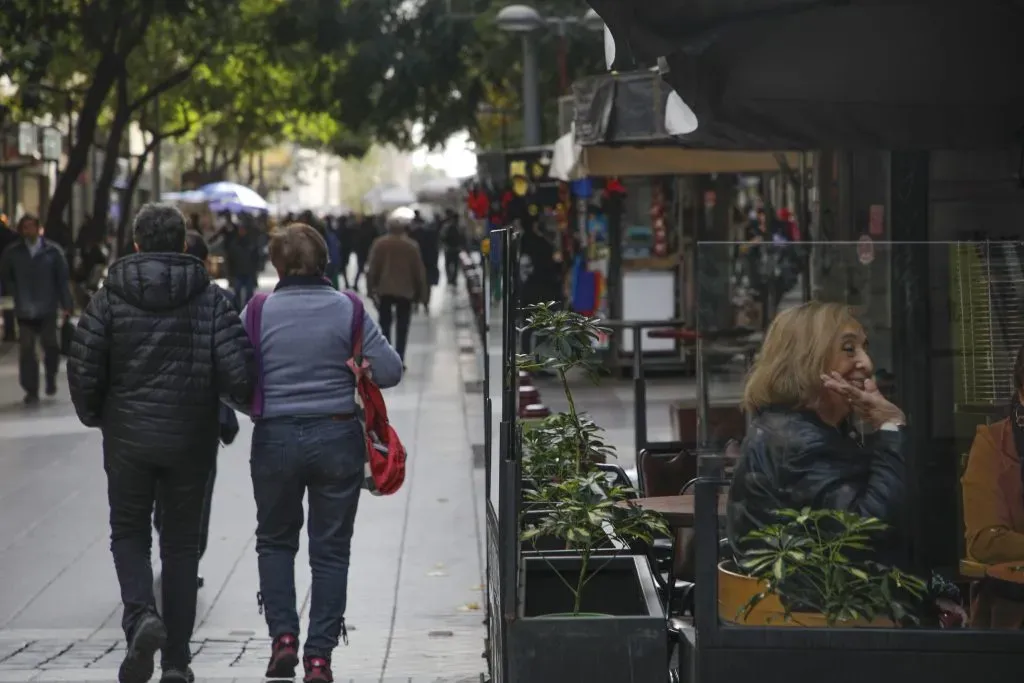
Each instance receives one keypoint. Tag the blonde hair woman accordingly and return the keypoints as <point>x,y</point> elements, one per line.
<point>813,374</point>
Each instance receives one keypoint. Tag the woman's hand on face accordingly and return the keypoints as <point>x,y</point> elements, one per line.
<point>868,403</point>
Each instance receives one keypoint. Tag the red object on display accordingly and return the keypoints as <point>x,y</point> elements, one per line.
<point>613,186</point>
<point>477,203</point>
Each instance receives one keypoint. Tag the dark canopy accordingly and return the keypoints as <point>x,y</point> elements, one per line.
<point>778,74</point>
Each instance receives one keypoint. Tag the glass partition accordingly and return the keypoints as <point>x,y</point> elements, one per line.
<point>871,378</point>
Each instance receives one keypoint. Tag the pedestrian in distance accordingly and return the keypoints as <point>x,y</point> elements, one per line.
<point>397,278</point>
<point>154,352</point>
<point>196,246</point>
<point>308,441</point>
<point>35,273</point>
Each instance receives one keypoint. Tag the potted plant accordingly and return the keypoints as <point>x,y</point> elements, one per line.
<point>588,608</point>
<point>805,571</point>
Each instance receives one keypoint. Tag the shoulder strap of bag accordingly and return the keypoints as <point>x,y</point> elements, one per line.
<point>253,326</point>
<point>358,312</point>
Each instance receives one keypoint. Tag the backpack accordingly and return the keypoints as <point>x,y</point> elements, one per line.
<point>385,454</point>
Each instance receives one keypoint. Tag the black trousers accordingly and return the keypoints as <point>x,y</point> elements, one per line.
<point>451,266</point>
<point>204,536</point>
<point>399,310</point>
<point>8,318</point>
<point>42,332</point>
<point>132,485</point>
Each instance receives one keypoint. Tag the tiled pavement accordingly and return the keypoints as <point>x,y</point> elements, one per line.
<point>415,588</point>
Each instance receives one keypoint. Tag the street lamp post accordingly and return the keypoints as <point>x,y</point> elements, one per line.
<point>526,21</point>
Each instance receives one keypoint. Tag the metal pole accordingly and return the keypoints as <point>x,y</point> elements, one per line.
<point>804,226</point>
<point>157,125</point>
<point>71,145</point>
<point>531,94</point>
<point>639,393</point>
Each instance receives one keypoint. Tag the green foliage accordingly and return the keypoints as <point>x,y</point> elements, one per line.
<point>809,560</point>
<point>581,507</point>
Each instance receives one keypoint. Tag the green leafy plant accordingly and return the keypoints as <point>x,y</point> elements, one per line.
<point>580,506</point>
<point>810,561</point>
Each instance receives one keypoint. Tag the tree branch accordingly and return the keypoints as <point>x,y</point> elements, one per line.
<point>170,82</point>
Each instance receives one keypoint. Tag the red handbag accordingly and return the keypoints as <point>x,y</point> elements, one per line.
<point>385,454</point>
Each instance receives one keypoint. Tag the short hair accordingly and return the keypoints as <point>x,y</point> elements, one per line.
<point>298,249</point>
<point>195,245</point>
<point>27,218</point>
<point>159,228</point>
<point>797,349</point>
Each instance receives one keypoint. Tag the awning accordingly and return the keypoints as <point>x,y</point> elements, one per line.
<point>644,161</point>
<point>897,75</point>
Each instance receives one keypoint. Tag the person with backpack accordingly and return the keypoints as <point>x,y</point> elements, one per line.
<point>154,352</point>
<point>308,440</point>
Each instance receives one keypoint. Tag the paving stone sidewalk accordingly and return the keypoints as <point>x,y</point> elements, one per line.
<point>415,594</point>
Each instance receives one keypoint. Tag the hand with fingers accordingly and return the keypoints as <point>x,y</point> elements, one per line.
<point>867,403</point>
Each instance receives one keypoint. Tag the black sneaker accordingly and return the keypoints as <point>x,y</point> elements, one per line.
<point>31,399</point>
<point>148,637</point>
<point>176,675</point>
<point>51,387</point>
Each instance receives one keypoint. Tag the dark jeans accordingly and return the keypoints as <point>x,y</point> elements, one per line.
<point>290,456</point>
<point>8,322</point>
<point>451,266</point>
<point>400,310</point>
<point>204,532</point>
<point>132,485</point>
<point>362,256</point>
<point>244,286</point>
<point>45,332</point>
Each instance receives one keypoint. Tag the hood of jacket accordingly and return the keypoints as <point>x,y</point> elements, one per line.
<point>159,281</point>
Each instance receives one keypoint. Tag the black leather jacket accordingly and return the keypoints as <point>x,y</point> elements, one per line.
<point>791,460</point>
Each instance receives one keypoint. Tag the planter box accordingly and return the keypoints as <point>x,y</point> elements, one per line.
<point>626,640</point>
<point>548,544</point>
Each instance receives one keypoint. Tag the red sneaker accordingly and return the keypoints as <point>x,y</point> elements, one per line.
<point>284,657</point>
<point>318,670</point>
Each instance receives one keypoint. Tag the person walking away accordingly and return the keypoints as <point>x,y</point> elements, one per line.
<point>196,246</point>
<point>243,257</point>
<point>34,271</point>
<point>308,440</point>
<point>367,234</point>
<point>346,245</point>
<point>397,279</point>
<point>7,238</point>
<point>334,251</point>
<point>454,242</point>
<point>154,352</point>
<point>427,238</point>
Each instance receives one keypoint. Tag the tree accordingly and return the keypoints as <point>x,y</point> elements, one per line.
<point>394,64</point>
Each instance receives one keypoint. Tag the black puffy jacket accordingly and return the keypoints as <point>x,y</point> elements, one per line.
<point>153,353</point>
<point>792,460</point>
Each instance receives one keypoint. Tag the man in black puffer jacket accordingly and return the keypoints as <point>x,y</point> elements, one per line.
<point>154,352</point>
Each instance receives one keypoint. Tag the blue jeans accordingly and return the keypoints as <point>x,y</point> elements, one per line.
<point>290,456</point>
<point>245,287</point>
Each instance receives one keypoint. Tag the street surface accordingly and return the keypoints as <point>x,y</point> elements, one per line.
<point>415,588</point>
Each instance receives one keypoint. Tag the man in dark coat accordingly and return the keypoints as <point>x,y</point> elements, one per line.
<point>34,271</point>
<point>154,352</point>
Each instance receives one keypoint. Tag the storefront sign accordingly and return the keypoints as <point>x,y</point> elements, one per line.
<point>28,140</point>
<point>52,144</point>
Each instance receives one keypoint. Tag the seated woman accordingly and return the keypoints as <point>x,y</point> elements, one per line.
<point>812,376</point>
<point>993,498</point>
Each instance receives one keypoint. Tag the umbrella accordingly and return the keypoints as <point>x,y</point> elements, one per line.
<point>225,196</point>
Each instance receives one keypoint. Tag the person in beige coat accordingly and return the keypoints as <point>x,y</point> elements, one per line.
<point>396,278</point>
